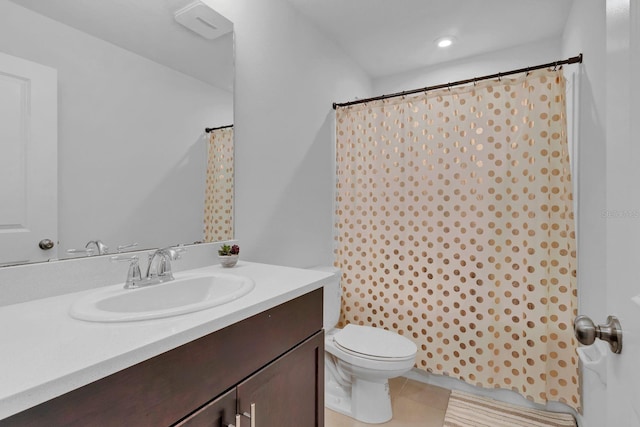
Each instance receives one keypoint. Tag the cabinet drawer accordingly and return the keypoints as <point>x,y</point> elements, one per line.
<point>164,389</point>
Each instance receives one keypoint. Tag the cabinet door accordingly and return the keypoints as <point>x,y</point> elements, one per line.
<point>220,412</point>
<point>289,392</point>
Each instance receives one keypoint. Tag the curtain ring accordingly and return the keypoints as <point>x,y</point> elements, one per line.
<point>555,67</point>
<point>449,86</point>
<point>499,77</point>
<point>474,81</point>
<point>528,71</point>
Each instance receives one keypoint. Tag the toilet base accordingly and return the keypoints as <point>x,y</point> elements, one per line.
<point>337,398</point>
<point>366,401</point>
<point>370,401</point>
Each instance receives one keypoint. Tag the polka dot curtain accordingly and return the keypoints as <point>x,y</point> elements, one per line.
<point>218,204</point>
<point>454,228</point>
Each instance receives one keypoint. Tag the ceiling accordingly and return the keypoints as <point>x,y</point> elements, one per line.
<point>384,36</point>
<point>147,28</point>
<point>393,36</point>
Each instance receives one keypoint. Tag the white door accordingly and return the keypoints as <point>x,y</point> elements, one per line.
<point>623,197</point>
<point>28,160</point>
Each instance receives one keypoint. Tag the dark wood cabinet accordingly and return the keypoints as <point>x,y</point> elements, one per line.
<point>289,391</point>
<point>221,412</point>
<point>274,359</point>
<point>286,393</point>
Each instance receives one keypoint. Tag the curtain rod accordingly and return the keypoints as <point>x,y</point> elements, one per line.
<point>209,130</point>
<point>573,60</point>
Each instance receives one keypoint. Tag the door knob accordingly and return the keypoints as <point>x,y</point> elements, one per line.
<point>46,244</point>
<point>586,332</point>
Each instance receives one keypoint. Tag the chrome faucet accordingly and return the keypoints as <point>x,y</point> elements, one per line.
<point>93,247</point>
<point>158,269</point>
<point>100,247</point>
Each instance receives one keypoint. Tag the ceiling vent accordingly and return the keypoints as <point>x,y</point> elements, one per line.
<point>203,20</point>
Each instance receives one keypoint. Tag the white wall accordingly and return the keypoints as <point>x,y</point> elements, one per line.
<point>586,32</point>
<point>287,76</point>
<point>131,162</point>
<point>475,66</point>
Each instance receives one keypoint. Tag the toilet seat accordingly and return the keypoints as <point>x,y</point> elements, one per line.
<point>374,344</point>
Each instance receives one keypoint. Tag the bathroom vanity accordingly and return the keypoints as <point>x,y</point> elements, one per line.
<point>260,357</point>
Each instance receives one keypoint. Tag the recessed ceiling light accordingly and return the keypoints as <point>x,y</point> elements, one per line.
<point>445,41</point>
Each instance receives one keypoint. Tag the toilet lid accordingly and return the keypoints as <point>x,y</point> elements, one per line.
<point>376,342</point>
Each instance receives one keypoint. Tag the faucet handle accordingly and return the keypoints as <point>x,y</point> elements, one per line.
<point>134,275</point>
<point>85,251</point>
<point>128,246</point>
<point>179,250</point>
<point>173,252</point>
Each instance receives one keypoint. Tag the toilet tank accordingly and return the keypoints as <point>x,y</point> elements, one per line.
<point>332,297</point>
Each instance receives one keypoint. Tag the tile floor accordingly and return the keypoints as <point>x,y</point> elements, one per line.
<point>414,404</point>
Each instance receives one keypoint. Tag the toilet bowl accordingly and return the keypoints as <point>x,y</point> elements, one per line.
<point>359,360</point>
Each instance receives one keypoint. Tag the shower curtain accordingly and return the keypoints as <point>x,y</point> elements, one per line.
<point>454,228</point>
<point>218,206</point>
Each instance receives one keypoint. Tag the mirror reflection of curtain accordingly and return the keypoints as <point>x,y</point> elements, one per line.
<point>218,206</point>
<point>455,228</point>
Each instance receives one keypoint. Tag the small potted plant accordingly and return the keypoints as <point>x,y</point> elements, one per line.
<point>228,255</point>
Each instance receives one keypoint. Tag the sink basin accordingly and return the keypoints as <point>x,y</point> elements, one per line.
<point>180,296</point>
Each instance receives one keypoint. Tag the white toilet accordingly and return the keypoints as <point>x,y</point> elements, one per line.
<point>359,360</point>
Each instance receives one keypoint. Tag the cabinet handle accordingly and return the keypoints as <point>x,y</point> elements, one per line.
<point>252,415</point>
<point>237,421</point>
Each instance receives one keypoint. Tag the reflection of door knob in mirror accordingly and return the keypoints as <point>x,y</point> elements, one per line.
<point>46,244</point>
<point>586,332</point>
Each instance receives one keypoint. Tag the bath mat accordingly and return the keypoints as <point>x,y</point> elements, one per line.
<point>467,410</point>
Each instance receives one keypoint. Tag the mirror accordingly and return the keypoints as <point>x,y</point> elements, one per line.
<point>136,90</point>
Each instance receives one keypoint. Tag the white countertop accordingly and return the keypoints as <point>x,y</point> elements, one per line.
<point>45,353</point>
